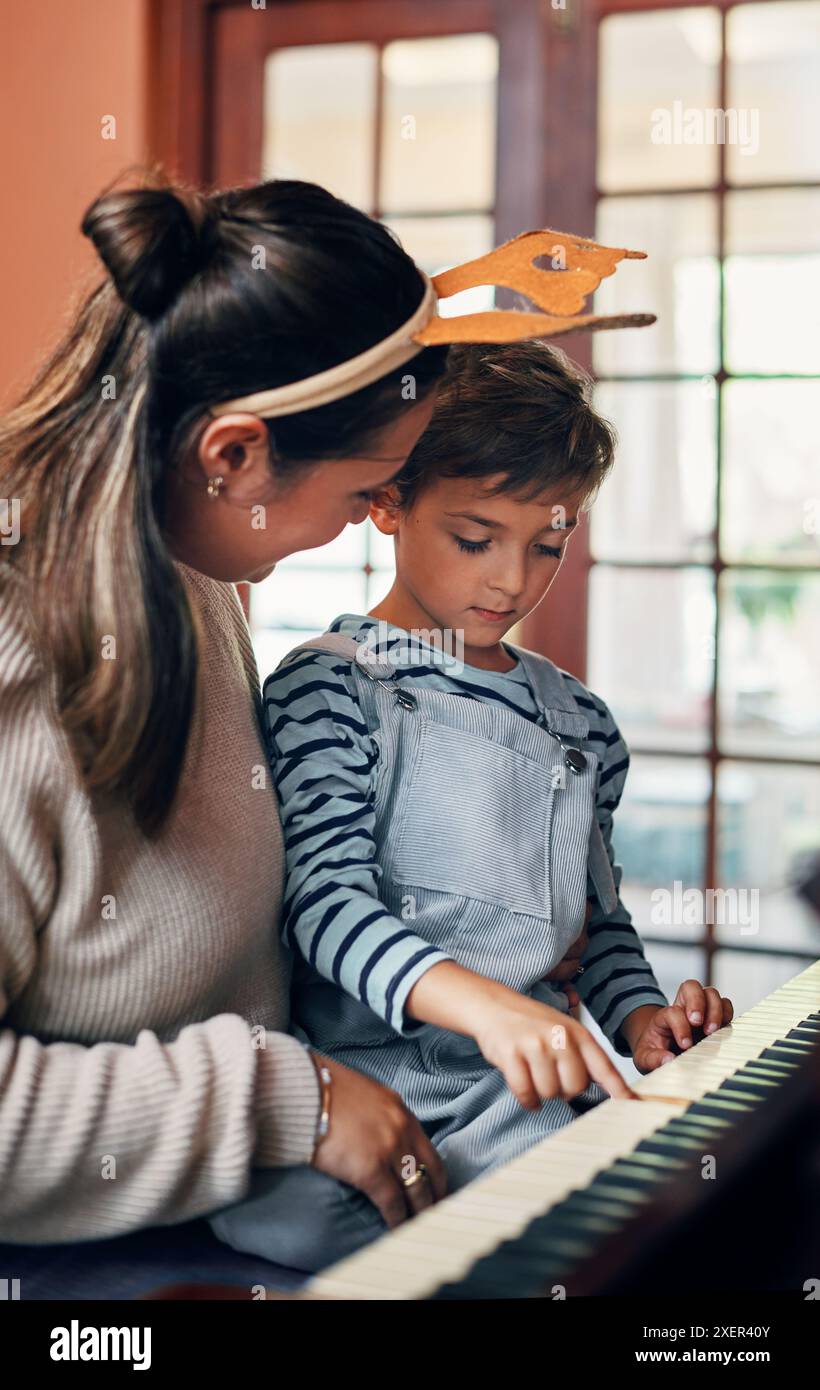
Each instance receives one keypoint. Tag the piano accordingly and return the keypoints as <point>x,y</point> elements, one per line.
<point>709,1181</point>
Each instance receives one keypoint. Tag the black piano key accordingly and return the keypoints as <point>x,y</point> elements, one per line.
<point>497,1275</point>
<point>755,1070</point>
<point>712,1105</point>
<point>723,1097</point>
<point>802,1046</point>
<point>526,1258</point>
<point>576,1223</point>
<point>713,1124</point>
<point>651,1165</point>
<point>807,1031</point>
<point>599,1203</point>
<point>619,1189</point>
<point>766,1067</point>
<point>788,1056</point>
<point>632,1177</point>
<point>754,1088</point>
<point>671,1145</point>
<point>705,1134</point>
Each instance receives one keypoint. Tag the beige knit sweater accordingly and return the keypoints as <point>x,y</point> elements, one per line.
<point>143,986</point>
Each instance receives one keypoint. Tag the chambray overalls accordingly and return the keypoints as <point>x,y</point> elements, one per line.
<point>488,845</point>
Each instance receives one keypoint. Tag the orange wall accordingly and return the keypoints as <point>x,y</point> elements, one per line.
<point>65,64</point>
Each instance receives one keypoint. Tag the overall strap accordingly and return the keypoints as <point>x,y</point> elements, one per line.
<point>562,714</point>
<point>342,644</point>
<point>551,694</point>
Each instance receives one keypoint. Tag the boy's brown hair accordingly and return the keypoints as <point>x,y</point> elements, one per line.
<point>522,409</point>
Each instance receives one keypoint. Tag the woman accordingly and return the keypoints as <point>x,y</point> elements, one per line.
<point>144,1066</point>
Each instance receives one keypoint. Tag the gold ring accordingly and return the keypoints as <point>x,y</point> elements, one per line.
<point>419,1176</point>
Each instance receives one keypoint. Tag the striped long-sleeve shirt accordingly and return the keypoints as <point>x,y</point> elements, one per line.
<point>325,762</point>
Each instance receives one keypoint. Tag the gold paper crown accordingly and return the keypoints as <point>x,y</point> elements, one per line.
<point>559,291</point>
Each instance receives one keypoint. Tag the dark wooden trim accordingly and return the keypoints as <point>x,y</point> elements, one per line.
<point>179,86</point>
<point>563,43</point>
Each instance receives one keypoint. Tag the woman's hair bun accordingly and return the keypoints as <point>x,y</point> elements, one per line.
<point>151,240</point>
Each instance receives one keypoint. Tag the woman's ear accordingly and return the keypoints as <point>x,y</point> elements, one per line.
<point>385,510</point>
<point>232,443</point>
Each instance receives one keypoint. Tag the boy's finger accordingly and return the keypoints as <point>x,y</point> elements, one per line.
<point>603,1070</point>
<point>692,998</point>
<point>678,1025</point>
<point>521,1083</point>
<point>714,1010</point>
<point>728,1011</point>
<point>544,1076</point>
<point>655,1057</point>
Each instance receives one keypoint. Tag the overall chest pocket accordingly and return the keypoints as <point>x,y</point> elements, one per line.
<point>476,820</point>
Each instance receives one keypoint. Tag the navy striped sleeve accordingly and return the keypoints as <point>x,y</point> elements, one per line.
<point>324,763</point>
<point>617,976</point>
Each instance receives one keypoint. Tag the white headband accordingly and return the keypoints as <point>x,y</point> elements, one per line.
<point>346,377</point>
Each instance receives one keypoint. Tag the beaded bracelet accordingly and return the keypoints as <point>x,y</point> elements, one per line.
<point>325,1078</point>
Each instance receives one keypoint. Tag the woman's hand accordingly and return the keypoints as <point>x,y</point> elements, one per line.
<point>373,1141</point>
<point>543,1052</point>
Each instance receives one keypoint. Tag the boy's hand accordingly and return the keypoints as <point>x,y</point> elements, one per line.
<point>541,1051</point>
<point>697,1011</point>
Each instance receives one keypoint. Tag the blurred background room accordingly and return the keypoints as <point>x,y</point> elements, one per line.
<point>691,601</point>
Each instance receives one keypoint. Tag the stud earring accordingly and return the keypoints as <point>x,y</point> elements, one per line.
<point>215,486</point>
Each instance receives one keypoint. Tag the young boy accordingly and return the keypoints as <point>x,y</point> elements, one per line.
<point>448,818</point>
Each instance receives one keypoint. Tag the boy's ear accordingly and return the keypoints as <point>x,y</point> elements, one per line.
<point>385,510</point>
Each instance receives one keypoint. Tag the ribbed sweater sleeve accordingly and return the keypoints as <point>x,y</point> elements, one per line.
<point>100,1139</point>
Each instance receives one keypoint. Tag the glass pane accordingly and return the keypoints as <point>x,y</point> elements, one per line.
<point>674,964</point>
<point>772,73</point>
<point>768,816</point>
<point>658,503</point>
<point>271,644</point>
<point>437,243</point>
<point>746,977</point>
<point>658,74</point>
<point>773,281</point>
<point>651,653</point>
<point>319,113</point>
<point>679,281</point>
<point>438,124</point>
<point>659,836</point>
<point>770,663</point>
<point>307,598</point>
<point>771,484</point>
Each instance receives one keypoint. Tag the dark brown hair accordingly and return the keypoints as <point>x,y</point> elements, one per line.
<point>208,297</point>
<point>520,409</point>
